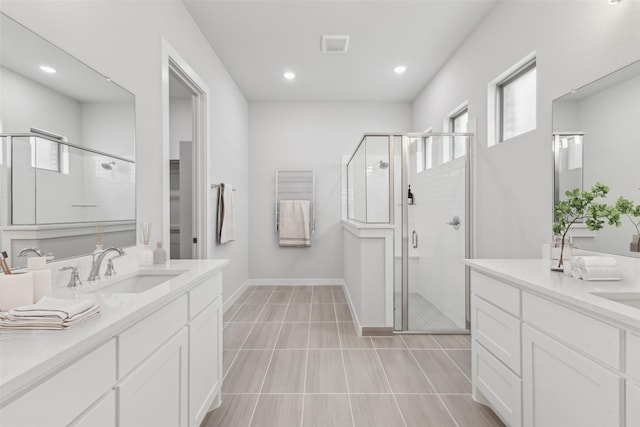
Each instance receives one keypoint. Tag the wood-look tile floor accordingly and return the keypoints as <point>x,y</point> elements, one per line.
<point>292,358</point>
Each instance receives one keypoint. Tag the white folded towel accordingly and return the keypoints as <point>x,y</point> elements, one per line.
<point>293,223</point>
<point>593,261</point>
<point>597,273</point>
<point>49,313</point>
<point>48,307</point>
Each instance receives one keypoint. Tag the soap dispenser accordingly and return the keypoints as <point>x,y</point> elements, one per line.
<point>410,196</point>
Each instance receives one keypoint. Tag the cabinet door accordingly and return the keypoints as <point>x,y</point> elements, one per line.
<point>102,414</point>
<point>155,393</point>
<point>205,361</point>
<point>562,388</point>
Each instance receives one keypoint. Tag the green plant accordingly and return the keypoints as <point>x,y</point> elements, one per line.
<point>581,206</point>
<point>627,208</point>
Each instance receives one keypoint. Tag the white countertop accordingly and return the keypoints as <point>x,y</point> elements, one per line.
<point>28,356</point>
<point>535,276</point>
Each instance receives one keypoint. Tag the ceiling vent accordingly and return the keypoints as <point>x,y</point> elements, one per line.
<point>335,44</point>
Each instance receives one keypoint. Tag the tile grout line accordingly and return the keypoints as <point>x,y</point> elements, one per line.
<point>434,388</point>
<point>306,362</point>
<point>450,358</point>
<point>264,306</point>
<point>240,348</point>
<point>386,377</point>
<point>344,365</point>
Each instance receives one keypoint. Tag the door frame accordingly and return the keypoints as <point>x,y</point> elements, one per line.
<point>469,247</point>
<point>174,64</point>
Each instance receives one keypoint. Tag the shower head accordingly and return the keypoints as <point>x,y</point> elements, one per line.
<point>383,164</point>
<point>108,166</point>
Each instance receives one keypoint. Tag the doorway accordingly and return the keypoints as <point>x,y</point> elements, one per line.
<point>185,140</point>
<point>181,172</point>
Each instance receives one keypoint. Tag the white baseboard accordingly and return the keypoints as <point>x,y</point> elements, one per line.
<point>356,322</point>
<point>233,298</point>
<point>296,282</point>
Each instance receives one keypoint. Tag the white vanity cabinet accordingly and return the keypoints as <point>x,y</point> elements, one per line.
<point>205,349</point>
<point>159,368</point>
<point>539,361</point>
<point>66,395</point>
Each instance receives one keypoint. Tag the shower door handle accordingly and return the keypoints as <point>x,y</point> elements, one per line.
<point>414,239</point>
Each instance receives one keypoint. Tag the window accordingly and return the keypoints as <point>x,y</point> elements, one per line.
<point>458,123</point>
<point>516,102</point>
<point>49,155</point>
<point>428,152</point>
<point>420,148</point>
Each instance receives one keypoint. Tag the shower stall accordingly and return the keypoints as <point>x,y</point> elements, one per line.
<point>419,187</point>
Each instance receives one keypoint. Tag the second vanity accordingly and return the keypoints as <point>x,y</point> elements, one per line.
<point>549,350</point>
<point>153,356</point>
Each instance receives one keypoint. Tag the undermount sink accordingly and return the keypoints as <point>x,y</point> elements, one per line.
<point>142,281</point>
<point>632,299</point>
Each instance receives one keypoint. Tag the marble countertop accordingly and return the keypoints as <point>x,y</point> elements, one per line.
<point>27,356</point>
<point>535,276</point>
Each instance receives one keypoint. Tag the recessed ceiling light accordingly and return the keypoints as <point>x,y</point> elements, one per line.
<point>400,69</point>
<point>47,69</point>
<point>289,75</point>
<point>614,1</point>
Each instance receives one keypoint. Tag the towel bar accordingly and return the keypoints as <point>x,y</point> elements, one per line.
<point>216,186</point>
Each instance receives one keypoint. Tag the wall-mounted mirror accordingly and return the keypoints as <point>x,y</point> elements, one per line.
<point>67,170</point>
<point>596,139</point>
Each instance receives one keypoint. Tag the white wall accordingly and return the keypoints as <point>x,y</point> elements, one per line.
<point>109,127</point>
<point>611,154</point>
<point>305,135</point>
<point>27,104</point>
<point>576,42</point>
<point>123,40</point>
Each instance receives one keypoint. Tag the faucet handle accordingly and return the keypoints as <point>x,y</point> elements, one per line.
<point>111,271</point>
<point>74,280</point>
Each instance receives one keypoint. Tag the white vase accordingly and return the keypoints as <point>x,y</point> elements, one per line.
<point>560,254</point>
<point>145,257</point>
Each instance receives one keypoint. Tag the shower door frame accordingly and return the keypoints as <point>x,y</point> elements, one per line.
<point>468,245</point>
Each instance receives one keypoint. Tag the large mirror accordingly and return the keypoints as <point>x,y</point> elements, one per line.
<point>595,133</point>
<point>67,170</point>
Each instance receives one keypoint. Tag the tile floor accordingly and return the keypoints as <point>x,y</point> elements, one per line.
<point>292,358</point>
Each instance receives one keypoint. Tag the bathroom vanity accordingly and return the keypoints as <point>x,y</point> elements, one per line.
<point>551,350</point>
<point>152,357</point>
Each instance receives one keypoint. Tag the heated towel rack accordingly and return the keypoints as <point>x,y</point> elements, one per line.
<point>296,185</point>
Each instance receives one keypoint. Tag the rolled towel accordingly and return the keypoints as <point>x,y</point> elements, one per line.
<point>594,261</point>
<point>600,273</point>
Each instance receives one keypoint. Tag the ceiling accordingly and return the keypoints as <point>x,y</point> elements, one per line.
<point>23,52</point>
<point>259,40</point>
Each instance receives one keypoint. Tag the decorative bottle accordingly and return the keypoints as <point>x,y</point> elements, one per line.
<point>159,254</point>
<point>410,196</point>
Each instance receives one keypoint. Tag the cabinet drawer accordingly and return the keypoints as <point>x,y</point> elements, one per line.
<point>204,294</point>
<point>498,331</point>
<point>102,414</point>
<point>633,356</point>
<point>500,386</point>
<point>585,333</point>
<point>499,293</point>
<point>60,399</point>
<point>633,409</point>
<point>139,341</point>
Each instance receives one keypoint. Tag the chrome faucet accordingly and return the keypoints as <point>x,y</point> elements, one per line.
<point>94,274</point>
<point>36,251</point>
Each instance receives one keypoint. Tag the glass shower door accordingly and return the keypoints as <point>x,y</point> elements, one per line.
<point>434,237</point>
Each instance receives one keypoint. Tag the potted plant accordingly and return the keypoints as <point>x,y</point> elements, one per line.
<point>580,206</point>
<point>627,208</point>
